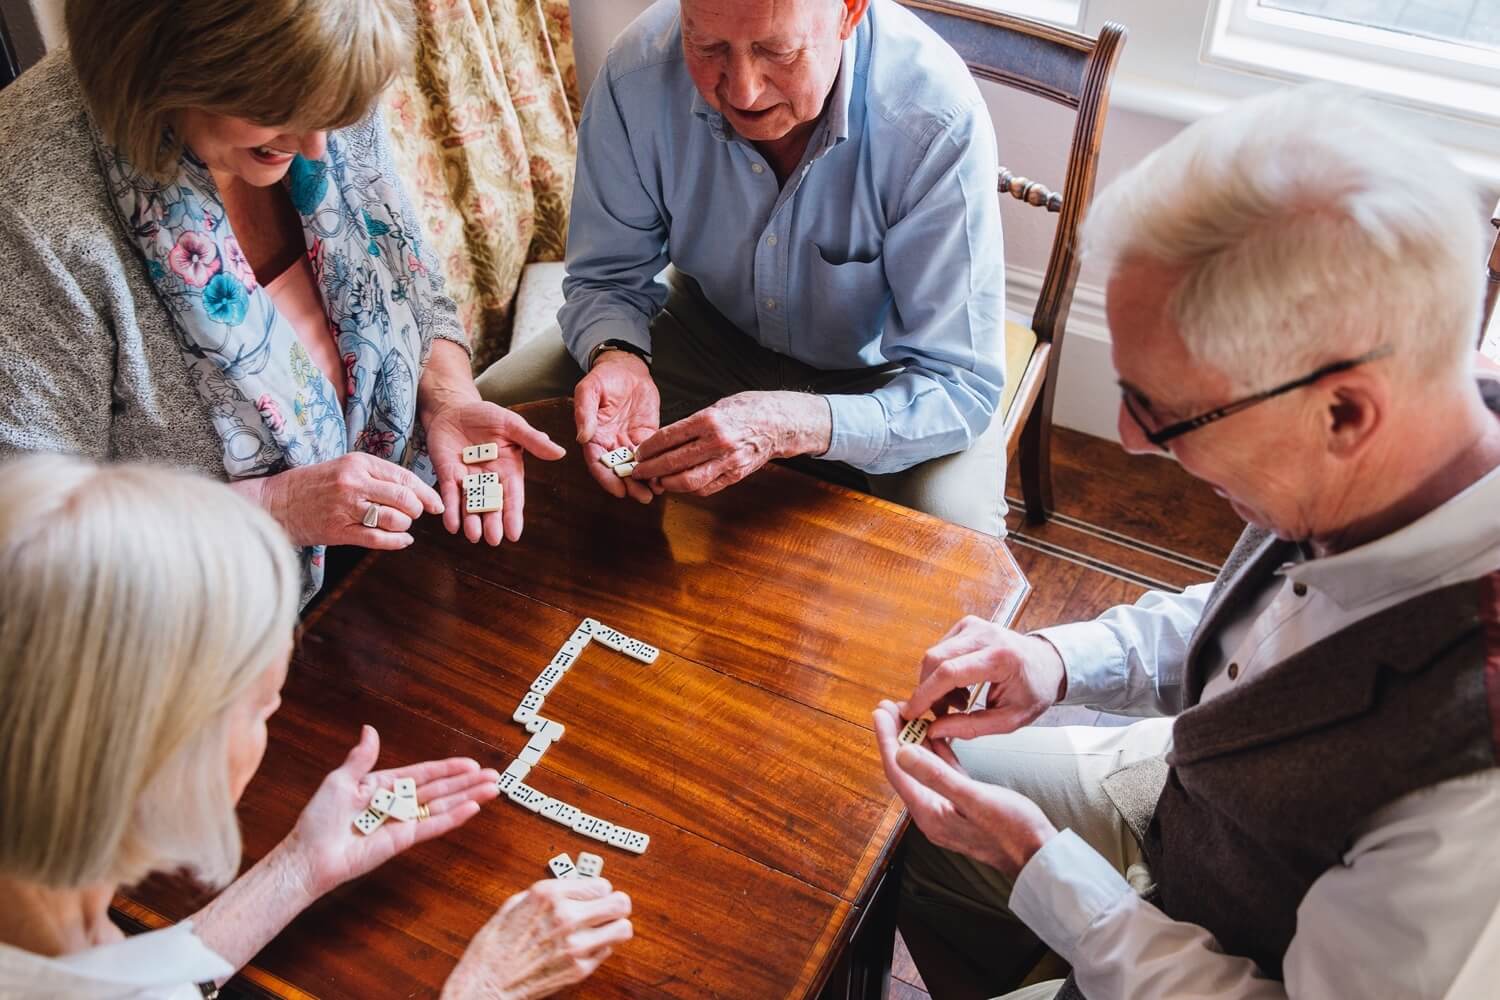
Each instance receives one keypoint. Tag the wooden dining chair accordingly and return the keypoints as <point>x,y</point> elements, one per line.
<point>1075,71</point>
<point>1491,294</point>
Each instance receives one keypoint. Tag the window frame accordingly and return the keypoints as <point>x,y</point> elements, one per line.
<point>1450,78</point>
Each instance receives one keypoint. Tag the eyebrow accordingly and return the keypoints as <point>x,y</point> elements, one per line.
<point>777,42</point>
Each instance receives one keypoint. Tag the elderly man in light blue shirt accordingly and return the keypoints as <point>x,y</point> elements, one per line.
<point>820,177</point>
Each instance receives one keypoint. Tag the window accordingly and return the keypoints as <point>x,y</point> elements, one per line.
<point>1467,22</point>
<point>1441,55</point>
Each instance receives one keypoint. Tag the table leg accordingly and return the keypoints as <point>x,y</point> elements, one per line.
<point>864,973</point>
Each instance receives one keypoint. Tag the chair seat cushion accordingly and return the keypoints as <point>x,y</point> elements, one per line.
<point>537,301</point>
<point>1020,342</point>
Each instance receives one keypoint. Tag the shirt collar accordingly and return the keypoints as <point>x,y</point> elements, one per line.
<point>834,126</point>
<point>168,958</point>
<point>1410,558</point>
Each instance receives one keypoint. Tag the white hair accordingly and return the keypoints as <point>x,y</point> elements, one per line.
<point>1305,229</point>
<point>137,606</point>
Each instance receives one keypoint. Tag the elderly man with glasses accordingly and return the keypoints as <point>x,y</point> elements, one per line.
<point>1293,321</point>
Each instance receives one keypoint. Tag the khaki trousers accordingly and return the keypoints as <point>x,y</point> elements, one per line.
<point>1061,769</point>
<point>698,358</point>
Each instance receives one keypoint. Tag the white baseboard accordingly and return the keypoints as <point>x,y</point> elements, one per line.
<point>1088,399</point>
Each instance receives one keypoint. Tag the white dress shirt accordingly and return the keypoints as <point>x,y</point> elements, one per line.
<point>159,965</point>
<point>1421,878</point>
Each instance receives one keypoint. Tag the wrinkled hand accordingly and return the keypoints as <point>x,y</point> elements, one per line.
<point>722,444</point>
<point>325,504</point>
<point>452,429</point>
<point>988,823</point>
<point>1025,674</point>
<point>616,405</point>
<point>552,935</point>
<point>328,851</point>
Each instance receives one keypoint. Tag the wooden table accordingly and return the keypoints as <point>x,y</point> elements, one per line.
<point>784,609</point>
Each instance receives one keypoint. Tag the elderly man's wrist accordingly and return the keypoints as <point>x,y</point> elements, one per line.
<point>1013,854</point>
<point>615,356</point>
<point>807,424</point>
<point>618,348</point>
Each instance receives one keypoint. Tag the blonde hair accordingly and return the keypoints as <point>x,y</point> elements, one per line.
<point>1306,229</point>
<point>303,64</point>
<point>137,606</point>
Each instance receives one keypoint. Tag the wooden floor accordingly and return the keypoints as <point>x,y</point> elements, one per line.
<point>1125,524</point>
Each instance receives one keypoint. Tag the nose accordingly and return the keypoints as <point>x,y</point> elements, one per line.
<point>742,84</point>
<point>313,145</point>
<point>1132,436</point>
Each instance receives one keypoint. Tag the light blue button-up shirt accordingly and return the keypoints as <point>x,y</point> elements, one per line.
<point>883,247</point>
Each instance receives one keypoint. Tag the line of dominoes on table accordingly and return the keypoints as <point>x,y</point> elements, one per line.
<point>483,494</point>
<point>544,732</point>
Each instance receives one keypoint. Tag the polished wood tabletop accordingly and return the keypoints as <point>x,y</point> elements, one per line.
<point>784,609</point>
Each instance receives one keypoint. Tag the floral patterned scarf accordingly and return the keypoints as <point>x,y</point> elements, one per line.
<point>272,406</point>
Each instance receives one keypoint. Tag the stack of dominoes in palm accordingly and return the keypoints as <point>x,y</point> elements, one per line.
<point>482,491</point>
<point>621,460</point>
<point>398,803</point>
<point>545,732</point>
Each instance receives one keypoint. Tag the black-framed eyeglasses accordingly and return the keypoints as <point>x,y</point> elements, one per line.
<point>1134,403</point>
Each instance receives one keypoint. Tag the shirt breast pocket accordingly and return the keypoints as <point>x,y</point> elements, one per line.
<point>847,295</point>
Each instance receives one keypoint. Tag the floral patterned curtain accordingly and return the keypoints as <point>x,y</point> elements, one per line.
<point>484,130</point>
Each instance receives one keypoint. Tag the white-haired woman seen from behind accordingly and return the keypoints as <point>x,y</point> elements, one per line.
<point>146,621</point>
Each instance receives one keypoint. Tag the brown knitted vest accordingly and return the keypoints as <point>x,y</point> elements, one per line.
<point>1268,782</point>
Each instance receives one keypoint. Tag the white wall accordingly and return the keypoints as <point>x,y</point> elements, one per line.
<point>35,26</point>
<point>49,19</point>
<point>1153,98</point>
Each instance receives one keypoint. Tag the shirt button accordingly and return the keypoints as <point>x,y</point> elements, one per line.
<point>770,303</point>
<point>770,241</point>
<point>1300,589</point>
<point>1234,671</point>
<point>756,168</point>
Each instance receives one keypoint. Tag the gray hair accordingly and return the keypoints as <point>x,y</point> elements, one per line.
<point>1306,229</point>
<point>137,606</point>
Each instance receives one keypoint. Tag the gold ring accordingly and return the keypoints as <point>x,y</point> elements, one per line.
<point>423,812</point>
<point>372,516</point>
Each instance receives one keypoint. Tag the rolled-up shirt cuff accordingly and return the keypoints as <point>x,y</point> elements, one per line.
<point>1093,658</point>
<point>1063,890</point>
<point>581,345</point>
<point>859,430</point>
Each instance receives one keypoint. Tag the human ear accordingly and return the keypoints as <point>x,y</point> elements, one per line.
<point>854,12</point>
<point>1354,411</point>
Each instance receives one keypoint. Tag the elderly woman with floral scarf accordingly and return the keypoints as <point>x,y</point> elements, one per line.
<point>206,259</point>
